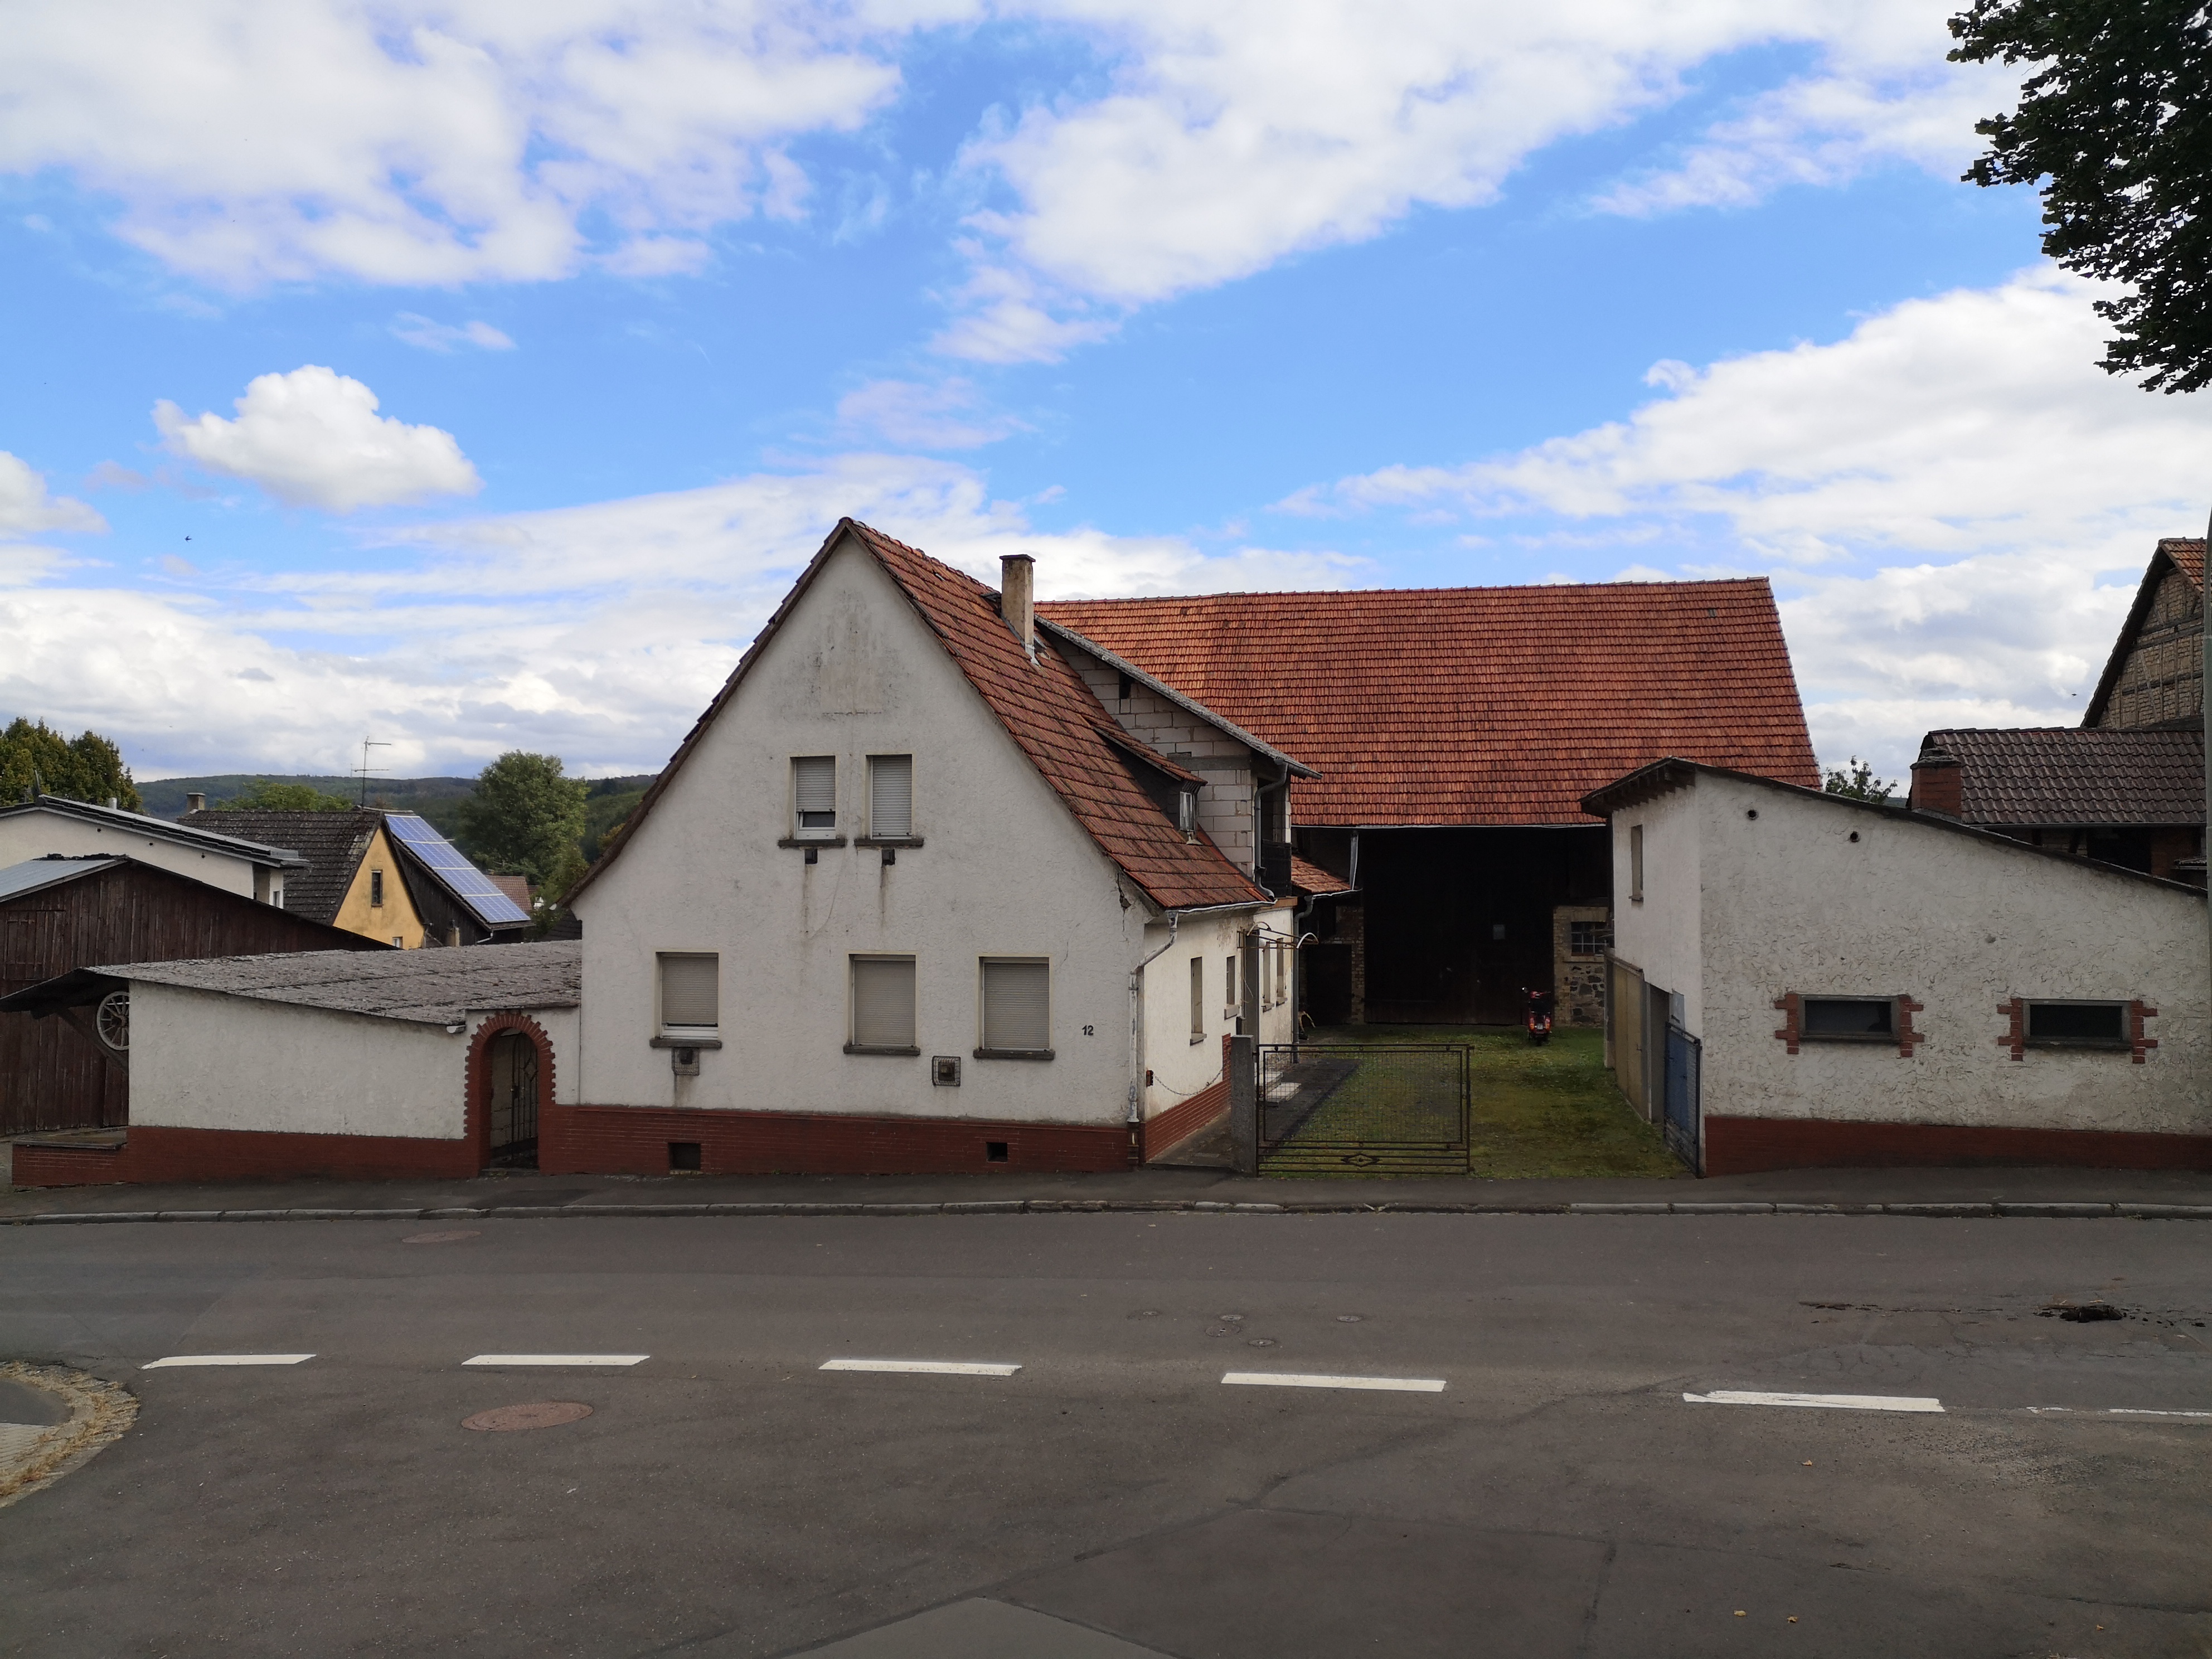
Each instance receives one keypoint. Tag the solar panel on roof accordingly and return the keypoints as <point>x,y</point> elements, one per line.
<point>468,883</point>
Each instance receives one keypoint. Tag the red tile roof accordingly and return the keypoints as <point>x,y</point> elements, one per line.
<point>2066,776</point>
<point>1311,878</point>
<point>2188,556</point>
<point>1478,705</point>
<point>1074,743</point>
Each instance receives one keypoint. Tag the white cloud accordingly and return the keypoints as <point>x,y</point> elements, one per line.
<point>432,336</point>
<point>1958,500</point>
<point>1237,133</point>
<point>431,141</point>
<point>25,509</point>
<point>312,438</point>
<point>519,630</point>
<point>949,414</point>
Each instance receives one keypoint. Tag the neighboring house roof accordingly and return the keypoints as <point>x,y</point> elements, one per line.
<point>1309,878</point>
<point>1066,734</point>
<point>1664,776</point>
<point>201,839</point>
<point>35,874</point>
<point>517,889</point>
<point>2181,553</point>
<point>331,845</point>
<point>425,987</point>
<point>2062,776</point>
<point>1477,705</point>
<point>480,894</point>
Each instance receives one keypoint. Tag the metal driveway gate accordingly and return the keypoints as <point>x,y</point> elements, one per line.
<point>1388,1108</point>
<point>1684,1083</point>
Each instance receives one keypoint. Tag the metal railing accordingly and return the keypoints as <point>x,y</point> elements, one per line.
<point>1385,1107</point>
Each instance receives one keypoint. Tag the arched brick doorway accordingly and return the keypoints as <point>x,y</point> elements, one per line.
<point>510,1085</point>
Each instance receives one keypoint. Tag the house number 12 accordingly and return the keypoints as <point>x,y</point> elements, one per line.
<point>1090,1030</point>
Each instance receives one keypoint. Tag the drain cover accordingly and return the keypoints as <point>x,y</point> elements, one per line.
<point>453,1238</point>
<point>537,1414</point>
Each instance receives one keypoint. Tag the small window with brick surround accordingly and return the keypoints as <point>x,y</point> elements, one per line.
<point>2073,1025</point>
<point>1848,1019</point>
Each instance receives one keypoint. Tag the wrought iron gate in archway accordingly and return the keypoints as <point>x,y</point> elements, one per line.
<point>1381,1108</point>
<point>514,1121</point>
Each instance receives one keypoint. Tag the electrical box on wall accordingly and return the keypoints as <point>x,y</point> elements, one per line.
<point>944,1071</point>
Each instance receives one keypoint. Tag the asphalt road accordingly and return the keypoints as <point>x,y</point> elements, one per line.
<point>727,1496</point>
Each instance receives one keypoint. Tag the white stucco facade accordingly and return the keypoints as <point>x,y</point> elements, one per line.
<point>203,1060</point>
<point>1751,892</point>
<point>35,831</point>
<point>1003,871</point>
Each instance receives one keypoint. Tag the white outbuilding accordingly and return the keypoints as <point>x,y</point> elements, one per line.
<point>1801,979</point>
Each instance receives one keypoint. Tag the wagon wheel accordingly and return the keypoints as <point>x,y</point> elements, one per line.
<point>112,1021</point>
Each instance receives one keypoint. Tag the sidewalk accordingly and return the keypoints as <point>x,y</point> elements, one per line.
<point>599,1195</point>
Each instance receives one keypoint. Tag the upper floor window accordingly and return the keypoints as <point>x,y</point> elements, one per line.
<point>1186,811</point>
<point>2078,1025</point>
<point>690,991</point>
<point>814,794</point>
<point>1197,998</point>
<point>1588,938</point>
<point>891,796</point>
<point>1636,863</point>
<point>1848,1018</point>
<point>376,889</point>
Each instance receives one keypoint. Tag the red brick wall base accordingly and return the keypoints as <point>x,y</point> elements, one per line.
<point>636,1140</point>
<point>1741,1145</point>
<point>1180,1122</point>
<point>153,1153</point>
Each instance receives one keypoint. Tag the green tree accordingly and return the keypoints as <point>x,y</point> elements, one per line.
<point>1858,780</point>
<point>523,814</point>
<point>2118,117</point>
<point>270,795</point>
<point>34,758</point>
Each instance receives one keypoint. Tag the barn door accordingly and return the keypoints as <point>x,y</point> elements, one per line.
<point>513,1119</point>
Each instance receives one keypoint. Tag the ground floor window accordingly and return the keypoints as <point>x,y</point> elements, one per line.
<point>883,1005</point>
<point>1017,1007</point>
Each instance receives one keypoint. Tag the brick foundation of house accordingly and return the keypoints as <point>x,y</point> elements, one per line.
<point>1169,1130</point>
<point>152,1153</point>
<point>1743,1145</point>
<point>646,1139</point>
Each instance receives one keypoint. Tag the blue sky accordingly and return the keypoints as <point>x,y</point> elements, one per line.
<point>476,376</point>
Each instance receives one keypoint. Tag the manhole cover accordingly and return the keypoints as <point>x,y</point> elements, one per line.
<point>453,1238</point>
<point>537,1414</point>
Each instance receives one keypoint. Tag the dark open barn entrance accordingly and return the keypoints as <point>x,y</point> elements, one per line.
<point>1459,921</point>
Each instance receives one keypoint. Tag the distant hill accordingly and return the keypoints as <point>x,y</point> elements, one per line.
<point>438,800</point>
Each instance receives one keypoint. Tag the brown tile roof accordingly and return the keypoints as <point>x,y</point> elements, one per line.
<point>2188,556</point>
<point>1311,878</point>
<point>1478,705</point>
<point>2059,777</point>
<point>1074,743</point>
<point>334,843</point>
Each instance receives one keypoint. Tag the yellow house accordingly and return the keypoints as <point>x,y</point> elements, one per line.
<point>377,904</point>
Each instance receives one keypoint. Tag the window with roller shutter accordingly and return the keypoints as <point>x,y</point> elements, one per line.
<point>890,797</point>
<point>814,795</point>
<point>1016,1010</point>
<point>690,991</point>
<point>883,1006</point>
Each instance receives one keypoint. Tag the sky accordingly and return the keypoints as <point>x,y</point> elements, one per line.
<point>476,374</point>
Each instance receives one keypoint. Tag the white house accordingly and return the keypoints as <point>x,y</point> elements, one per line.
<point>76,828</point>
<point>401,1063</point>
<point>914,894</point>
<point>1802,979</point>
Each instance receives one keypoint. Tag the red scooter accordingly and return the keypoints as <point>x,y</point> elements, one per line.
<point>1536,1015</point>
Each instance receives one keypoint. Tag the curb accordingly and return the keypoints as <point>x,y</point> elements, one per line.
<point>1994,1209</point>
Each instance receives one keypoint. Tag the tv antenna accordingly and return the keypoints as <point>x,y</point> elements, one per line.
<point>365,769</point>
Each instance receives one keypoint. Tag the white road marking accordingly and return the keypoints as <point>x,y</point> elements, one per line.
<point>1301,1380</point>
<point>1840,1403</point>
<point>2132,1411</point>
<point>226,1359</point>
<point>558,1359</point>
<point>931,1367</point>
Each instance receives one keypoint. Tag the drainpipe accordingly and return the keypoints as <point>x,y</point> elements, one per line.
<point>1137,1019</point>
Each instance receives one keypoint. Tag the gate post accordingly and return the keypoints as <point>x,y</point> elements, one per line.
<point>1244,1104</point>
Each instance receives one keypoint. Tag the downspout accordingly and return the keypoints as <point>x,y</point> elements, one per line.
<point>1137,1020</point>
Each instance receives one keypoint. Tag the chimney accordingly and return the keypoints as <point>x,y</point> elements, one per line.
<point>196,802</point>
<point>1017,599</point>
<point>1939,783</point>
